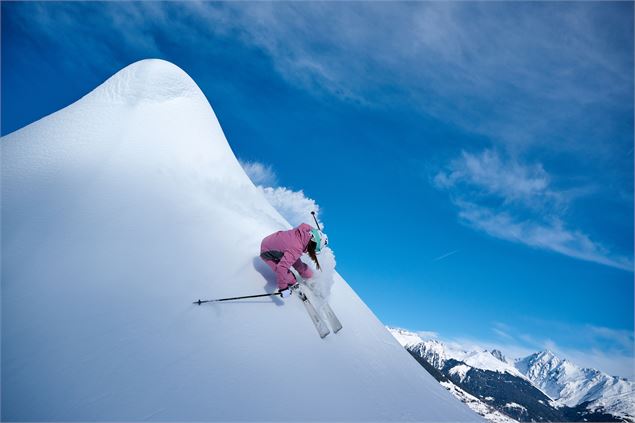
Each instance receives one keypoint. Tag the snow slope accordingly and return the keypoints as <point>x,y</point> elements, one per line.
<point>118,212</point>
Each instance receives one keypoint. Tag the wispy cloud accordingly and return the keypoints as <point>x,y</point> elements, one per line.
<point>427,334</point>
<point>589,335</point>
<point>87,30</point>
<point>518,73</point>
<point>621,337</point>
<point>516,202</point>
<point>509,180</point>
<point>551,235</point>
<point>501,330</point>
<point>446,255</point>
<point>512,72</point>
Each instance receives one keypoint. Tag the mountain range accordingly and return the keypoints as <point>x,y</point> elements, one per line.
<point>538,387</point>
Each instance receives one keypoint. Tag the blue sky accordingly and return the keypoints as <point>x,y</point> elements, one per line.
<point>472,162</point>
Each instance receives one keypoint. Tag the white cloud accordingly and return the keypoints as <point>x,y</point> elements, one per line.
<point>515,202</point>
<point>615,364</point>
<point>509,180</point>
<point>623,338</point>
<point>551,235</point>
<point>426,334</point>
<point>259,173</point>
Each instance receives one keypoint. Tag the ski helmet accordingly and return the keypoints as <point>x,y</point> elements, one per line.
<point>320,239</point>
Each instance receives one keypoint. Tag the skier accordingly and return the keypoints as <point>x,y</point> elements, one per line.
<point>283,249</point>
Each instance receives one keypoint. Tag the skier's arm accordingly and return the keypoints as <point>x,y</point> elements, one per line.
<point>283,275</point>
<point>302,268</point>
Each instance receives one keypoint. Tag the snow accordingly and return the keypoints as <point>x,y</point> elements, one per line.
<point>478,406</point>
<point>570,385</point>
<point>437,353</point>
<point>118,212</point>
<point>564,382</point>
<point>487,361</point>
<point>460,371</point>
<point>512,405</point>
<point>499,355</point>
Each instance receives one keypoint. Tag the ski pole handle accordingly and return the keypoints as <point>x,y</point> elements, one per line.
<point>316,222</point>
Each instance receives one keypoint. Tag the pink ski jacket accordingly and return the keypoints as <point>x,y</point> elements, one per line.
<point>283,249</point>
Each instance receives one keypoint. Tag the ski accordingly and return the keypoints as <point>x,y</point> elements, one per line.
<point>335,323</point>
<point>327,311</point>
<point>321,327</point>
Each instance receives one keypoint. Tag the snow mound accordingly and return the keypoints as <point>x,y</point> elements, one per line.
<point>118,212</point>
<point>147,81</point>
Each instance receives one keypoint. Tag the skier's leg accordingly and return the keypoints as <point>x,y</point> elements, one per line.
<point>271,264</point>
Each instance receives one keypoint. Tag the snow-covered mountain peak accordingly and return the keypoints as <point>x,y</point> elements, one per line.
<point>570,385</point>
<point>149,80</point>
<point>499,355</point>
<point>433,351</point>
<point>487,361</point>
<point>547,355</point>
<point>437,353</point>
<point>539,364</point>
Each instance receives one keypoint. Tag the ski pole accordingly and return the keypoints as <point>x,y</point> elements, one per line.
<point>316,222</point>
<point>199,302</point>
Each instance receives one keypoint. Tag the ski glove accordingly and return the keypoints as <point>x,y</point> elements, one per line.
<point>284,293</point>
